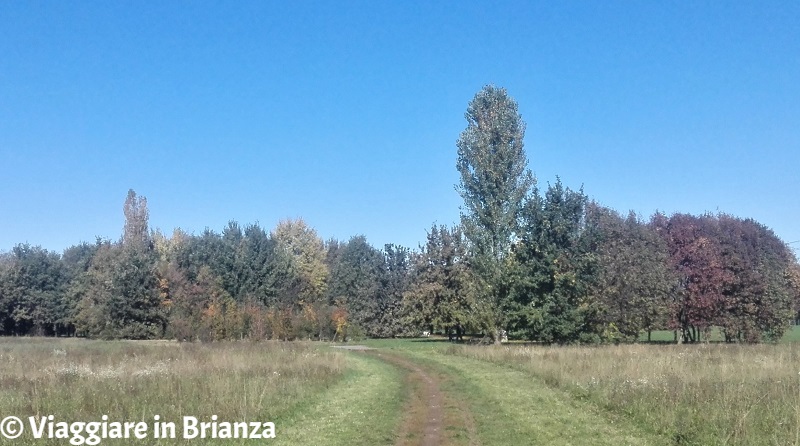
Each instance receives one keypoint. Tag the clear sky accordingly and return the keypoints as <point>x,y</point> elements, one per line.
<point>346,113</point>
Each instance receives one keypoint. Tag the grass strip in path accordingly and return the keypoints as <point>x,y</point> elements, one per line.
<point>423,411</point>
<point>362,409</point>
<point>431,416</point>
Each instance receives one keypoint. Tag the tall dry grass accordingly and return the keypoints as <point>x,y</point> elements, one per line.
<point>80,380</point>
<point>698,394</point>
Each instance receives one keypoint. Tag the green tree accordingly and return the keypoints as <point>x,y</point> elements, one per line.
<point>356,282</point>
<point>495,184</point>
<point>266,272</point>
<point>552,271</point>
<point>441,294</point>
<point>77,261</point>
<point>633,282</point>
<point>230,267</point>
<point>122,298</point>
<point>136,232</point>
<point>307,254</point>
<point>397,277</point>
<point>6,300</point>
<point>34,290</point>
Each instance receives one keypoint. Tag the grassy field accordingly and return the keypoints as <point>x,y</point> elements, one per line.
<point>701,395</point>
<point>792,335</point>
<point>79,380</point>
<point>708,394</point>
<point>666,336</point>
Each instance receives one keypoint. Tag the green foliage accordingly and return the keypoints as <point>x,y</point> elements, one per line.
<point>120,296</point>
<point>32,292</point>
<point>122,300</point>
<point>136,232</point>
<point>358,276</point>
<point>633,283</point>
<point>266,270</point>
<point>441,296</point>
<point>553,270</point>
<point>495,183</point>
<point>306,252</point>
<point>396,281</point>
<point>77,261</point>
<point>6,300</point>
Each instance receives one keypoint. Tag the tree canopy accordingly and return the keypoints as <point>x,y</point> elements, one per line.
<point>549,266</point>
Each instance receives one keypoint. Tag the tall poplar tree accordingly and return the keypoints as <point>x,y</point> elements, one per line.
<point>495,184</point>
<point>136,232</point>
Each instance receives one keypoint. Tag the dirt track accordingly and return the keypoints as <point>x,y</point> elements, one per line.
<point>432,418</point>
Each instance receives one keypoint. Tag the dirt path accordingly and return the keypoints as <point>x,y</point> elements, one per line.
<point>448,396</point>
<point>432,417</point>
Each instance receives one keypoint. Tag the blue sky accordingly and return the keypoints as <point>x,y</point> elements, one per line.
<point>346,113</point>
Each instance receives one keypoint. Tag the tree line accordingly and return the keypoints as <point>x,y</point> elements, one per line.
<point>243,282</point>
<point>554,266</point>
<point>542,264</point>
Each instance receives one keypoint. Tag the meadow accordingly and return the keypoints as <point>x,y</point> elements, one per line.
<point>645,394</point>
<point>708,394</point>
<point>81,380</point>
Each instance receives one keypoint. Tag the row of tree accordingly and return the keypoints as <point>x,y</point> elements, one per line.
<point>549,266</point>
<point>554,267</point>
<point>241,282</point>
